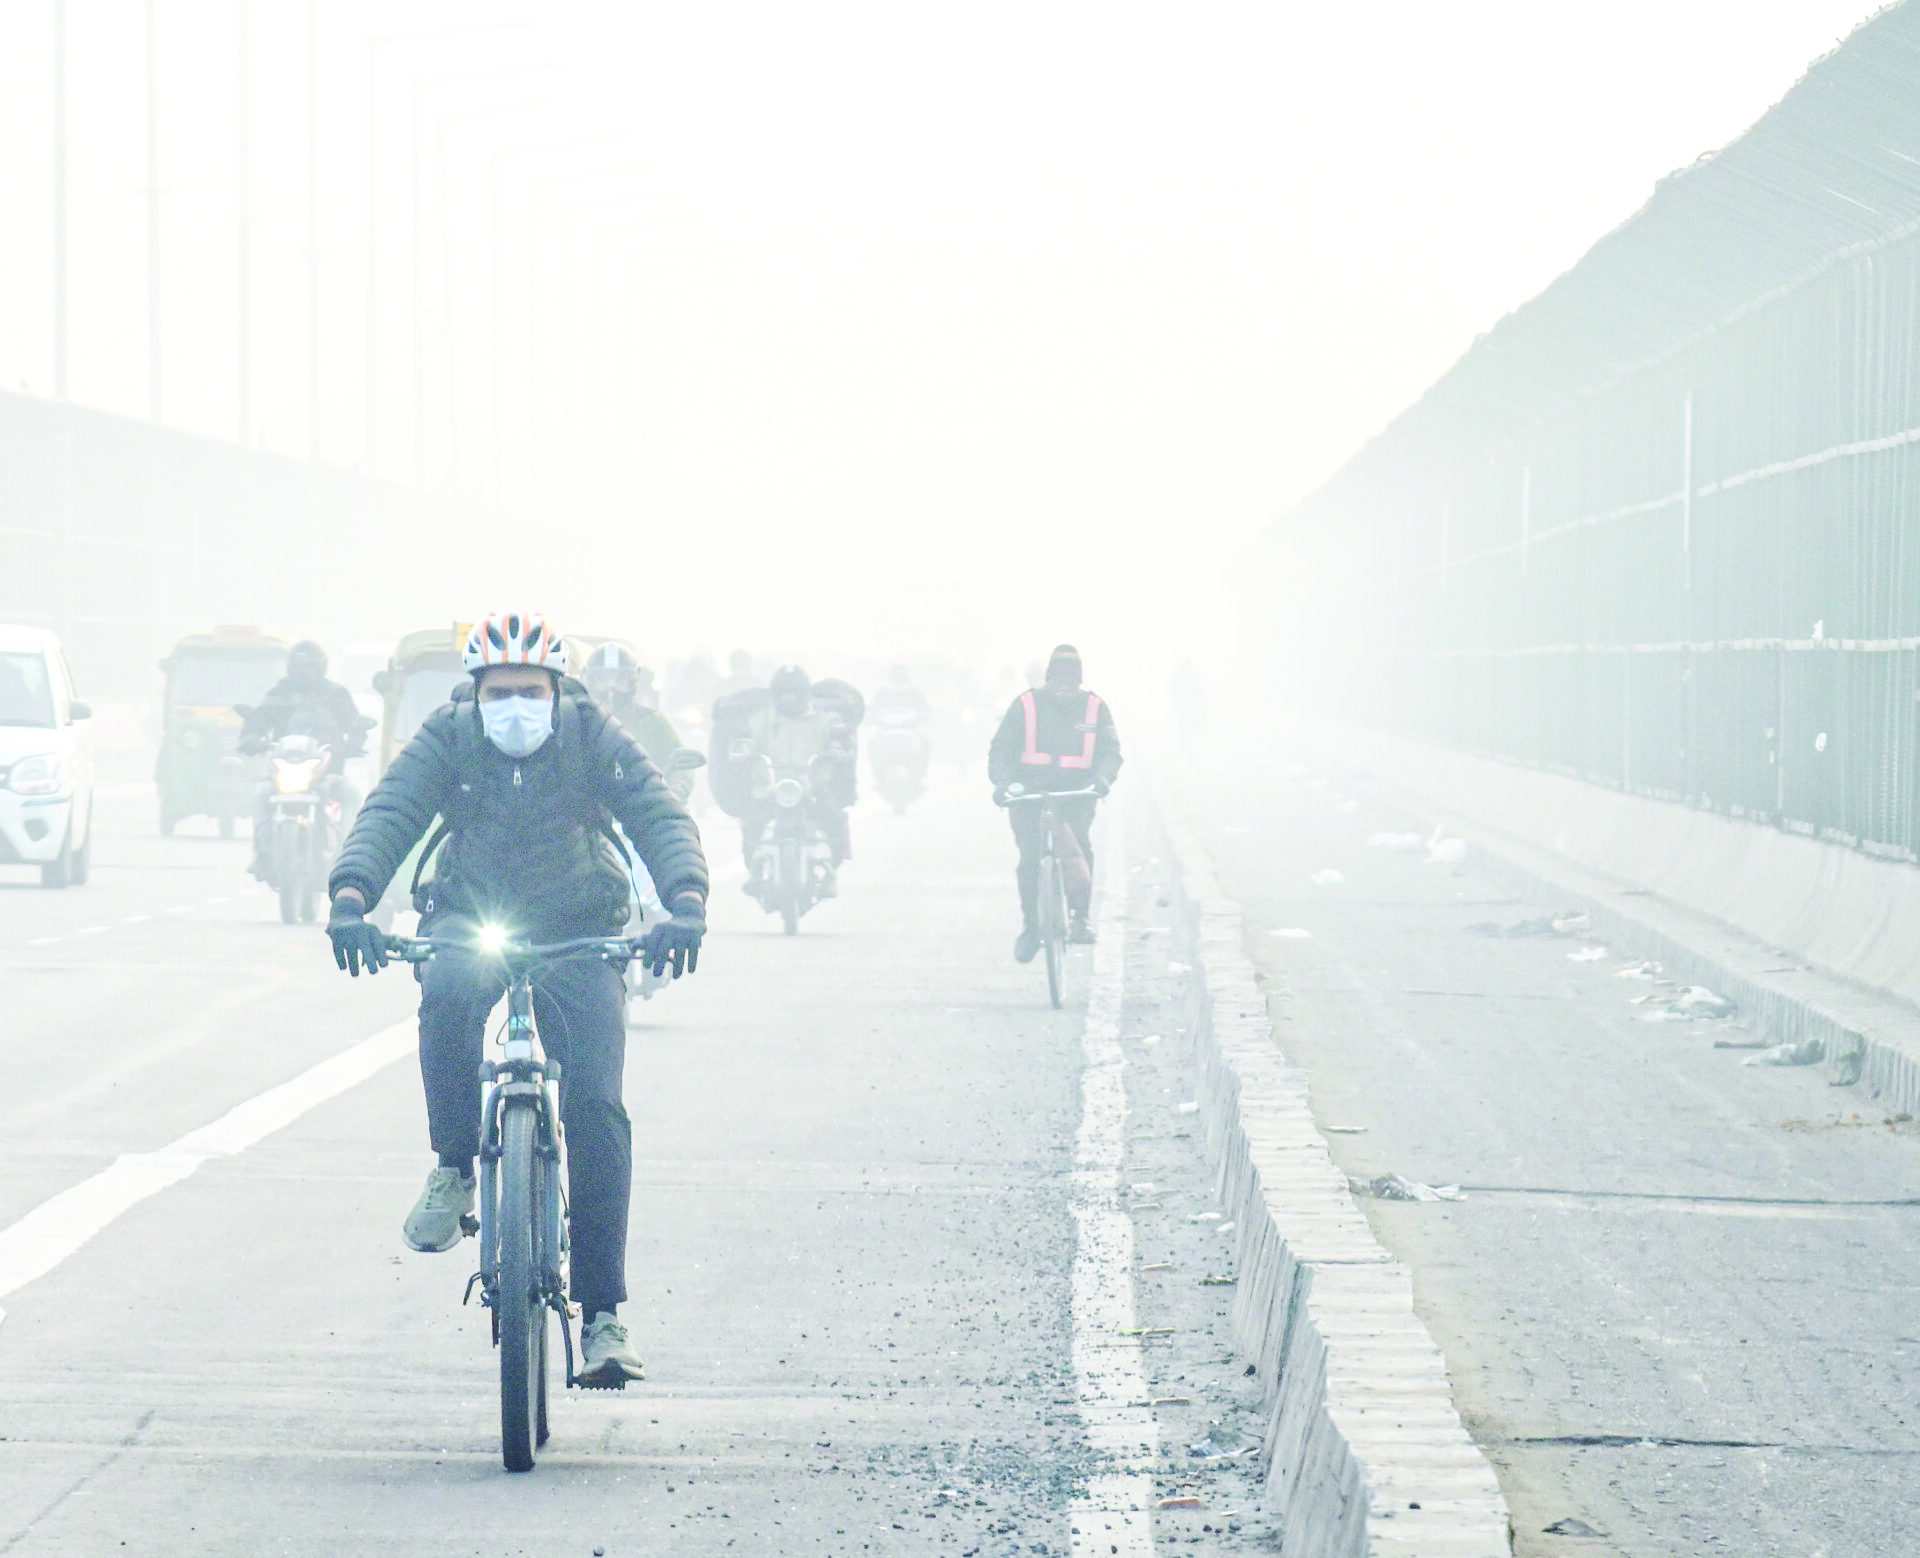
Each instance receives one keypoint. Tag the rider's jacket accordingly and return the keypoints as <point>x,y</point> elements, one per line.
<point>793,741</point>
<point>324,710</point>
<point>527,844</point>
<point>1055,738</point>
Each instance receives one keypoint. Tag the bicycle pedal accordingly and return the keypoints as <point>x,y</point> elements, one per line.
<point>469,1225</point>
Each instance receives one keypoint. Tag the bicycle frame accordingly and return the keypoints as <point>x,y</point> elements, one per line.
<point>1050,887</point>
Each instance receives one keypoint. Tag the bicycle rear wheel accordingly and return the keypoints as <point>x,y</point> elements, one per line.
<point>519,1307</point>
<point>1053,926</point>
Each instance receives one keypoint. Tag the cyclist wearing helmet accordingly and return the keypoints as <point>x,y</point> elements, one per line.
<point>302,703</point>
<point>622,686</point>
<point>792,734</point>
<point>527,776</point>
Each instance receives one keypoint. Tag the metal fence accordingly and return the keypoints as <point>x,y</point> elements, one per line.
<point>1661,528</point>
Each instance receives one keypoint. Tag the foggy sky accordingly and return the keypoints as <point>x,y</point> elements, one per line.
<point>864,324</point>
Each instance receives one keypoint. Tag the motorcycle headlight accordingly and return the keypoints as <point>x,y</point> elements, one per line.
<point>788,792</point>
<point>294,778</point>
<point>42,775</point>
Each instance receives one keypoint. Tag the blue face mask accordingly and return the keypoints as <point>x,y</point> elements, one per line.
<point>517,726</point>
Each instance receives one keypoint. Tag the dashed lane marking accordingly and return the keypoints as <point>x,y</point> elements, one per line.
<point>1114,1515</point>
<point>43,941</point>
<point>53,1230</point>
<point>181,908</point>
<point>136,919</point>
<point>93,930</point>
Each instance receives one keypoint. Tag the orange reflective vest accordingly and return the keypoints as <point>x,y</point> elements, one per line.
<point>1090,727</point>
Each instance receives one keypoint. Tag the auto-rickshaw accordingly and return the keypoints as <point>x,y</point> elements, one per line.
<point>199,773</point>
<point>421,675</point>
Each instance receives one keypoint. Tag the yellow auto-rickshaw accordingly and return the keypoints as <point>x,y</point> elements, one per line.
<point>199,773</point>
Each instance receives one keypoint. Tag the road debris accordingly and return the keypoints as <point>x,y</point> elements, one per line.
<point>1191,1106</point>
<point>1292,933</point>
<point>1648,970</point>
<point>1586,955</point>
<point>1345,1130</point>
<point>1807,1052</point>
<point>1569,1526</point>
<point>1396,1187</point>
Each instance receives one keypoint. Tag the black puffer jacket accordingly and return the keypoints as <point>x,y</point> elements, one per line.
<point>526,846</point>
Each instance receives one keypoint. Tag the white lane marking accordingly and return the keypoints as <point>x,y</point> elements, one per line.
<point>54,1229</point>
<point>1114,1515</point>
<point>43,941</point>
<point>93,930</point>
<point>181,908</point>
<point>226,899</point>
<point>136,919</point>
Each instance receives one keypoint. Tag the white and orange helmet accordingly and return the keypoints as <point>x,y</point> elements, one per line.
<point>515,638</point>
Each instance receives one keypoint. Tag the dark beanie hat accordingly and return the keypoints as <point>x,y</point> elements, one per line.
<point>1064,664</point>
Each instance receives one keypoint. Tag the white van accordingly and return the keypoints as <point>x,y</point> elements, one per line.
<point>46,760</point>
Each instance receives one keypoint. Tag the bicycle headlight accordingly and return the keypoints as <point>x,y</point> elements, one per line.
<point>294,778</point>
<point>45,774</point>
<point>788,792</point>
<point>493,938</point>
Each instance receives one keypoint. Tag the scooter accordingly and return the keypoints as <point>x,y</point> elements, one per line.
<point>898,754</point>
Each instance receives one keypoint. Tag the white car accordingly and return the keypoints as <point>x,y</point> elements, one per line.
<point>46,760</point>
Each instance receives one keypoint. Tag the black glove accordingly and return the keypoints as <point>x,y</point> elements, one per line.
<point>1000,795</point>
<point>355,942</point>
<point>675,941</point>
<point>1100,788</point>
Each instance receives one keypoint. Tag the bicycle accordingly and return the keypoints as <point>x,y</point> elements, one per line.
<point>1051,893</point>
<point>522,1222</point>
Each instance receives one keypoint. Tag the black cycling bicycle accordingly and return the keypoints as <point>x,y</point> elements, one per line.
<point>1051,894</point>
<point>522,1190</point>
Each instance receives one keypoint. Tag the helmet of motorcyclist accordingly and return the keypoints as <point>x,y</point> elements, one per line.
<point>899,676</point>
<point>792,690</point>
<point>1063,668</point>
<point>306,664</point>
<point>515,638</point>
<point>612,671</point>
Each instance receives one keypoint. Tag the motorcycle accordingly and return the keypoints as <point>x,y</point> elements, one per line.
<point>305,816</point>
<point>792,864</point>
<point>898,754</point>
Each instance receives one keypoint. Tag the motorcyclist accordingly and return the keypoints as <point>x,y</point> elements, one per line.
<point>624,688</point>
<point>740,674</point>
<point>527,775</point>
<point>791,734</point>
<point>898,694</point>
<point>302,703</point>
<point>1056,737</point>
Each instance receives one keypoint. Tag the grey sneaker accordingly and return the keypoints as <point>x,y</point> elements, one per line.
<point>607,1358</point>
<point>1080,933</point>
<point>437,1222</point>
<point>1026,944</point>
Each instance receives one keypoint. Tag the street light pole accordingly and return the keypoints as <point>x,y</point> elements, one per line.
<point>59,199</point>
<point>245,287</point>
<point>313,231</point>
<point>154,406</point>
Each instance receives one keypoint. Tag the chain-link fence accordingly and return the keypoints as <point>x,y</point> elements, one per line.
<point>1661,528</point>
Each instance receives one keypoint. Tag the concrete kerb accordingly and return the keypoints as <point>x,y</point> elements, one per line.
<point>1365,1454</point>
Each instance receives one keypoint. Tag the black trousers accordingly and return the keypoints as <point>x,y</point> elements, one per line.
<point>580,1006</point>
<point>1028,833</point>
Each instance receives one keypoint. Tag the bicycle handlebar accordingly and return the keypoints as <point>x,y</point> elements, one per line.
<point>418,949</point>
<point>1047,795</point>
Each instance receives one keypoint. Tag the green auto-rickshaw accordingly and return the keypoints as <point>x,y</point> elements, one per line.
<point>199,772</point>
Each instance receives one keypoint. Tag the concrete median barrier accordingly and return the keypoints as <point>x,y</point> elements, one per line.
<point>1365,1453</point>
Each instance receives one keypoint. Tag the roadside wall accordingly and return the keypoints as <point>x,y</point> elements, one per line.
<point>1365,1453</point>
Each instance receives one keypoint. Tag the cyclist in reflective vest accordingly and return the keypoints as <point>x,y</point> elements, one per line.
<point>1057,736</point>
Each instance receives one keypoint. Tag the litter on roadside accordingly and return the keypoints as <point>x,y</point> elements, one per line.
<point>1444,851</point>
<point>1185,1501</point>
<point>1189,1107</point>
<point>1586,955</point>
<point>1639,971</point>
<point>1575,923</point>
<point>1395,1187</point>
<point>1519,930</point>
<point>1291,933</point>
<point>1345,1130</point>
<point>1151,1038</point>
<point>1807,1052</point>
<point>1204,1217</point>
<point>1699,1001</point>
<point>1326,876</point>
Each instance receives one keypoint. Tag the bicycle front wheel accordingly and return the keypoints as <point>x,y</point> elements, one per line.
<point>1053,927</point>
<point>520,1308</point>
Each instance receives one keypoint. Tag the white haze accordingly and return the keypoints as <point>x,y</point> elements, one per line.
<point>867,327</point>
